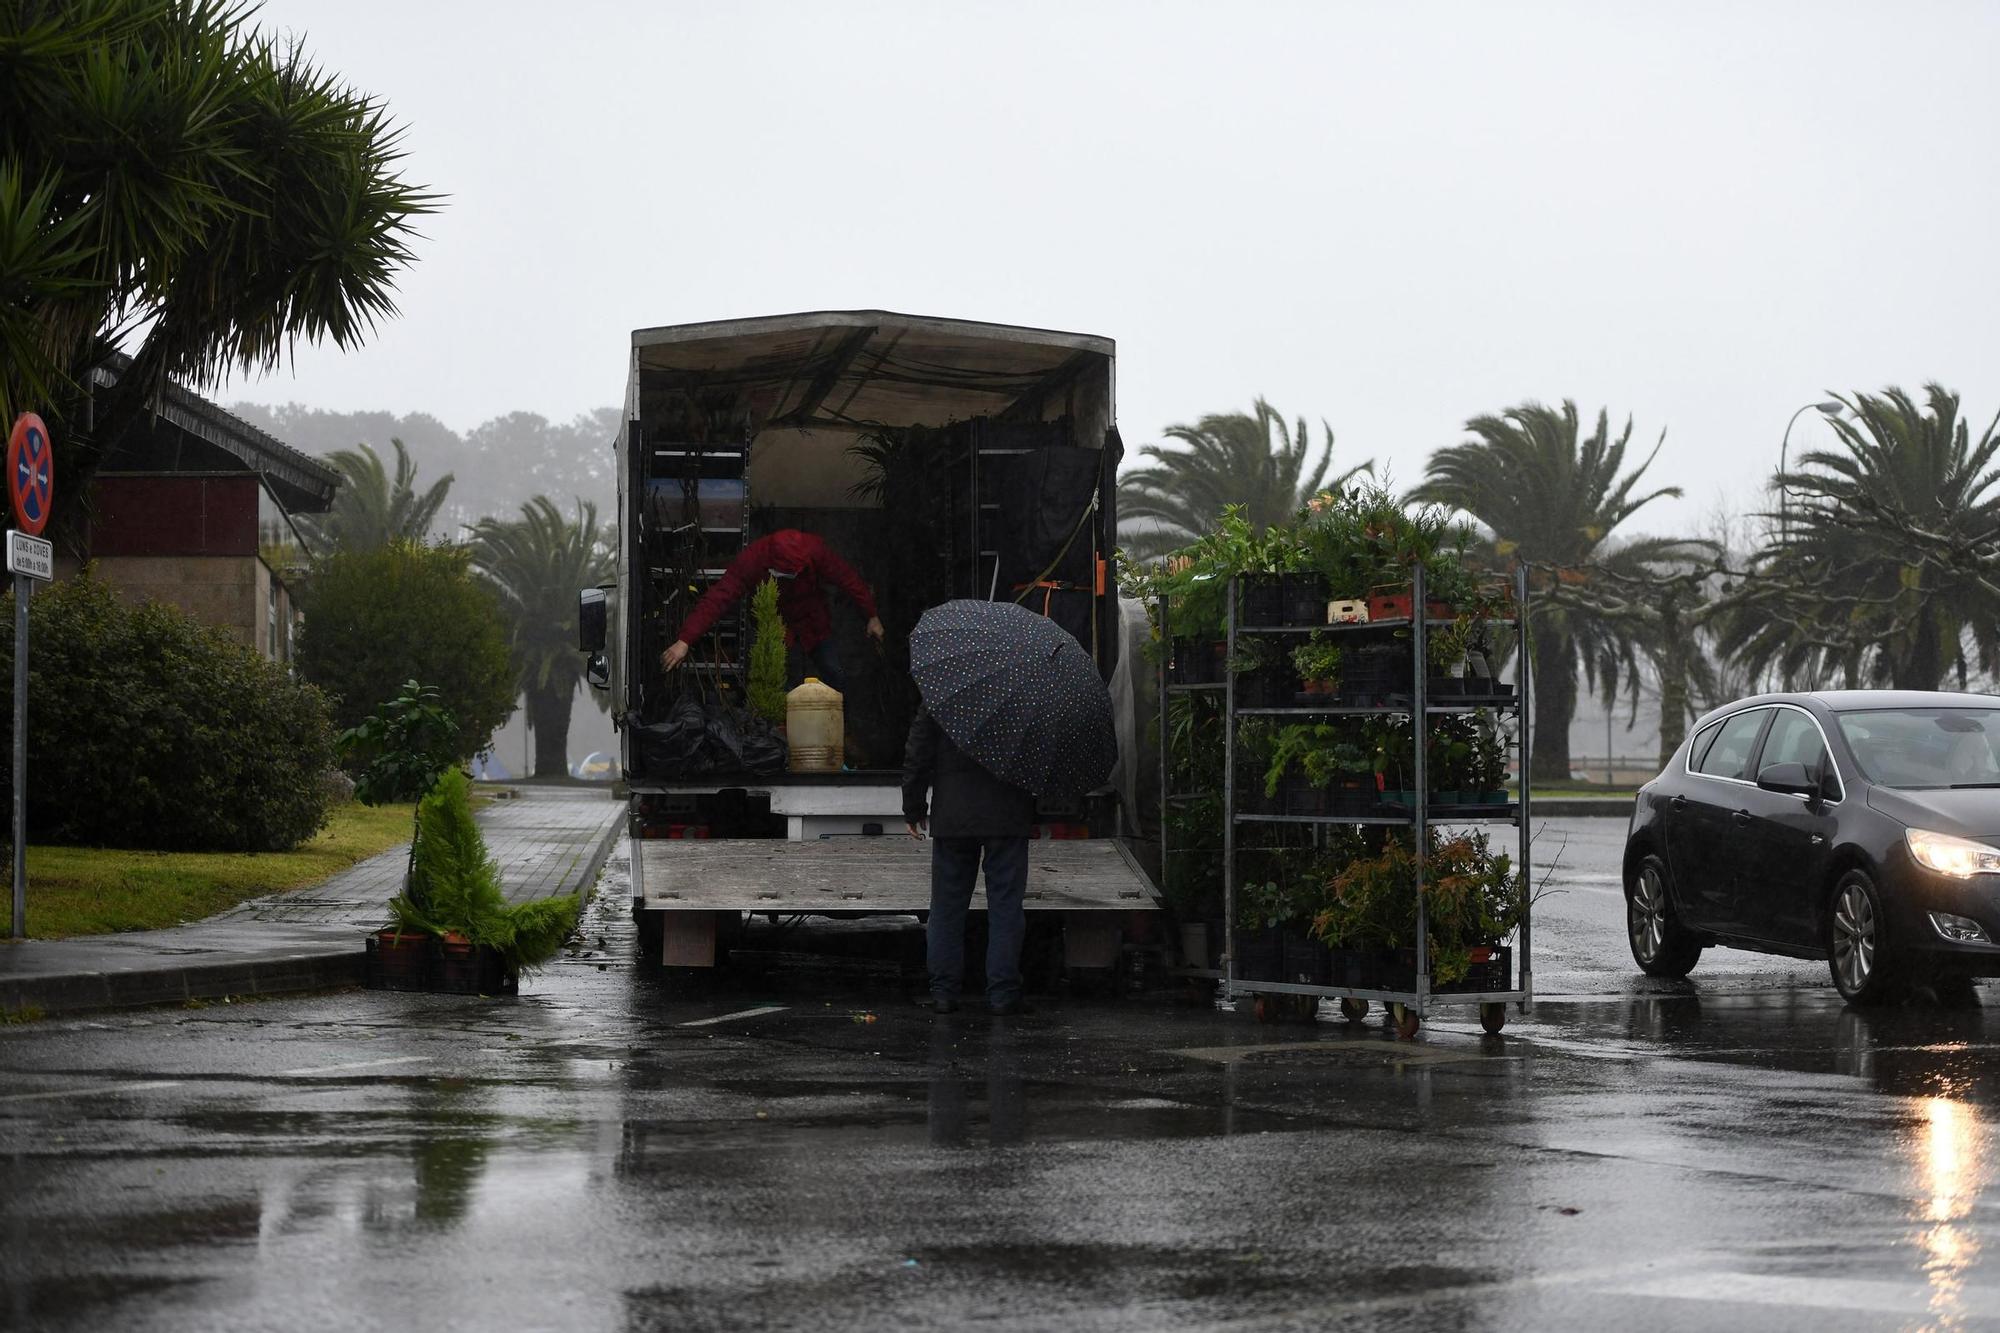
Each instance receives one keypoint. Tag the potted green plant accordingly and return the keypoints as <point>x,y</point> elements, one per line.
<point>1448,760</point>
<point>1263,675</point>
<point>1194,742</point>
<point>1191,875</point>
<point>1445,647</point>
<point>1473,901</point>
<point>454,896</point>
<point>1388,739</point>
<point>1491,744</point>
<point>1263,910</point>
<point>1317,661</point>
<point>767,656</point>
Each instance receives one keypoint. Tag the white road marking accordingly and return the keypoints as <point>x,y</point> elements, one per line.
<point>358,1064</point>
<point>96,1090</point>
<point>741,1013</point>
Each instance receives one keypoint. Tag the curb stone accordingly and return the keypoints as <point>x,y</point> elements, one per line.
<point>279,970</point>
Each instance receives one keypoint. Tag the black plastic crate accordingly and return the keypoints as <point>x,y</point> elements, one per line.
<point>397,962</point>
<point>1263,601</point>
<point>1304,599</point>
<point>1307,962</point>
<point>1259,955</point>
<point>472,969</point>
<point>1197,662</point>
<point>1266,687</point>
<point>1396,970</point>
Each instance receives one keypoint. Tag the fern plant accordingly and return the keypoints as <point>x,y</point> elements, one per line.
<point>454,886</point>
<point>767,655</point>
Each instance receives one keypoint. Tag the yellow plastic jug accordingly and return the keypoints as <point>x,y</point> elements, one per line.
<point>816,727</point>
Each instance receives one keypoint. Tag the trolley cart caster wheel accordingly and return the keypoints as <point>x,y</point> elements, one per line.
<point>1305,1008</point>
<point>1266,1009</point>
<point>1492,1017</point>
<point>1354,1011</point>
<point>1406,1020</point>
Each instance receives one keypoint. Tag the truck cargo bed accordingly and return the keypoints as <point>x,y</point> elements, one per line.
<point>886,874</point>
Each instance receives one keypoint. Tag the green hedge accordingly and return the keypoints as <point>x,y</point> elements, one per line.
<point>147,728</point>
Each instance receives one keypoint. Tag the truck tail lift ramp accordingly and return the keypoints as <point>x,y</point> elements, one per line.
<point>1091,882</point>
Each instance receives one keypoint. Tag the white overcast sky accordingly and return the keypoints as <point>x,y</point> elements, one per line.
<point>1394,216</point>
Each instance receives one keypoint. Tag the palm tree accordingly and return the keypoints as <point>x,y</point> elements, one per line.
<point>537,563</point>
<point>180,186</point>
<point>370,510</point>
<point>1551,498</point>
<point>1886,571</point>
<point>1233,458</point>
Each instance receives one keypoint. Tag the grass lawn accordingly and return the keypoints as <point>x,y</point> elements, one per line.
<point>95,890</point>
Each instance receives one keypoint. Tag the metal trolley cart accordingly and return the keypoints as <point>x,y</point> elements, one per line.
<point>1407,1007</point>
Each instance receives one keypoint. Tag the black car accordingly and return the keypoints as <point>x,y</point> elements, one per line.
<point>1860,826</point>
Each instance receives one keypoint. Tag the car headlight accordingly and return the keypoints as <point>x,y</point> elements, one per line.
<point>1960,857</point>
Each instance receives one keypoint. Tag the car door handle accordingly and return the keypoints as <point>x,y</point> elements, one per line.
<point>1740,818</point>
<point>1817,839</point>
<point>1679,802</point>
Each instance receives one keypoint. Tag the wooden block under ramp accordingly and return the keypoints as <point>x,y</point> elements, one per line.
<point>1090,939</point>
<point>689,939</point>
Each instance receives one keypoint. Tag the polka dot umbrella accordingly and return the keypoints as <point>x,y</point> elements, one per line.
<point>1016,692</point>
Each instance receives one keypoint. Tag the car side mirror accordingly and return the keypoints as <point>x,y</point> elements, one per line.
<point>1792,779</point>
<point>590,620</point>
<point>598,672</point>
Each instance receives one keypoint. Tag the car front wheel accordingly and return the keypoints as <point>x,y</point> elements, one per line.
<point>1865,966</point>
<point>1660,945</point>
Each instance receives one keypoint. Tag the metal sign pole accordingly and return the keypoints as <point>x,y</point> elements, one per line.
<point>24,588</point>
<point>30,473</point>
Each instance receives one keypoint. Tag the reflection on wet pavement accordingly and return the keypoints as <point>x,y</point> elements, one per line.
<point>1951,1167</point>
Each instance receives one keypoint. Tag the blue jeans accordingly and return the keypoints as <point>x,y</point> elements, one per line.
<point>823,661</point>
<point>954,868</point>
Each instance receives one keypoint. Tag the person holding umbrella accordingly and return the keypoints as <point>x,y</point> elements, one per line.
<point>1013,708</point>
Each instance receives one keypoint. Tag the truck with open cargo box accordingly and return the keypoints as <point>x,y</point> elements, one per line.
<point>942,459</point>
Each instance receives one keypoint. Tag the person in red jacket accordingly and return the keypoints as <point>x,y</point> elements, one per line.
<point>799,562</point>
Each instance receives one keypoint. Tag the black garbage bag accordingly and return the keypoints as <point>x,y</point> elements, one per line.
<point>752,744</point>
<point>700,740</point>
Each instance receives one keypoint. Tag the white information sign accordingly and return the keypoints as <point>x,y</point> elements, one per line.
<point>30,555</point>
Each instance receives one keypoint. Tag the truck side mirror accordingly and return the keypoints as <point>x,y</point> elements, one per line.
<point>590,621</point>
<point>598,672</point>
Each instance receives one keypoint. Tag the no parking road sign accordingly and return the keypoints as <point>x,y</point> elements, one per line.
<point>31,477</point>
<point>31,473</point>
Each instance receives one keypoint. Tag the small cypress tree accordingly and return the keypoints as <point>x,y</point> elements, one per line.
<point>455,885</point>
<point>767,655</point>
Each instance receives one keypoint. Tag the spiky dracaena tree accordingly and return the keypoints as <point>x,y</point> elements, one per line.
<point>1551,497</point>
<point>177,185</point>
<point>1250,459</point>
<point>1886,567</point>
<point>370,510</point>
<point>538,563</point>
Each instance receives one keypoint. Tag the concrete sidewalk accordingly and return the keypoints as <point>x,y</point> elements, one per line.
<point>548,841</point>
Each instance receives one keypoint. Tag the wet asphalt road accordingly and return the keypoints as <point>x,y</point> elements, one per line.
<point>812,1152</point>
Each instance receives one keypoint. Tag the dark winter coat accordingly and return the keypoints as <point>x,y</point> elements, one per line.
<point>964,799</point>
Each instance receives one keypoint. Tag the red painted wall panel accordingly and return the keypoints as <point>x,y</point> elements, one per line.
<point>157,515</point>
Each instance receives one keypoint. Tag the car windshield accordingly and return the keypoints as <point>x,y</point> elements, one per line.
<point>1926,747</point>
